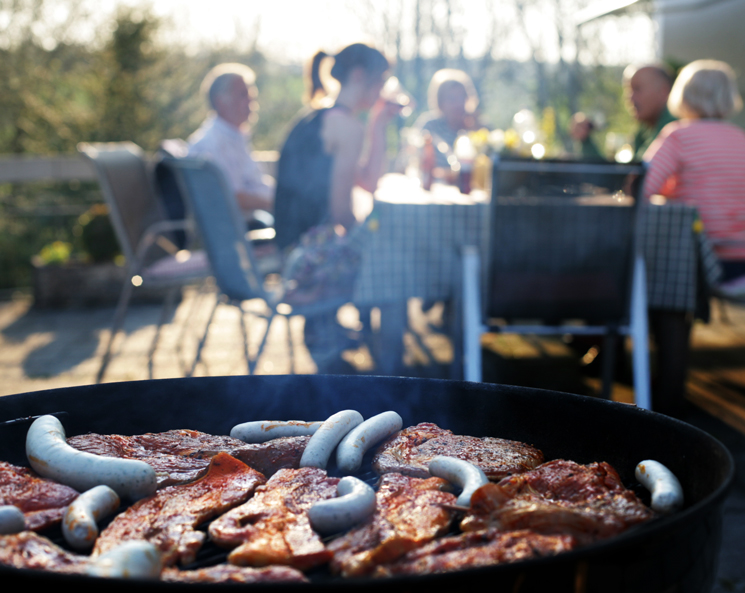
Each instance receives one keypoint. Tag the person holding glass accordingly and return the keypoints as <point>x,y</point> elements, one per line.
<point>452,100</point>
<point>320,163</point>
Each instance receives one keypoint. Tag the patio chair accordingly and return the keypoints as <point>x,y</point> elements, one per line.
<point>235,267</point>
<point>144,232</point>
<point>260,225</point>
<point>562,260</point>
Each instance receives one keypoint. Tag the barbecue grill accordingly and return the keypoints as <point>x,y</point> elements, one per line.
<point>677,553</point>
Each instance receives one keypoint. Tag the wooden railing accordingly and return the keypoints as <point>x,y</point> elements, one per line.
<point>66,167</point>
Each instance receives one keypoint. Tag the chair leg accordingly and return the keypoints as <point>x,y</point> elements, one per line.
<point>290,346</point>
<point>116,325</point>
<point>186,325</point>
<point>244,331</point>
<point>640,336</point>
<point>610,341</point>
<point>198,356</point>
<point>471,314</point>
<point>167,307</point>
<point>252,367</point>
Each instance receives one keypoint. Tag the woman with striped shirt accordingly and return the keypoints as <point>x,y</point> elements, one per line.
<point>700,160</point>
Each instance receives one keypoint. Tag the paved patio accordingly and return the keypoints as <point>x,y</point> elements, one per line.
<point>43,349</point>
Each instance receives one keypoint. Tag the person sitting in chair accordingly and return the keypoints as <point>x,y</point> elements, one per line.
<point>223,137</point>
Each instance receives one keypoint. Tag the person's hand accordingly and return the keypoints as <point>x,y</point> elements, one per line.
<point>384,111</point>
<point>580,127</point>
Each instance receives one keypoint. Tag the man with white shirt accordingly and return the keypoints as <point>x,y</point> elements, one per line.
<point>224,139</point>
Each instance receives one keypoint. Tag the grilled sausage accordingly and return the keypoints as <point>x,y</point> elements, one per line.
<point>262,431</point>
<point>461,473</point>
<point>130,560</point>
<point>667,493</point>
<point>322,443</point>
<point>12,520</point>
<point>79,525</point>
<point>355,503</point>
<point>353,447</point>
<point>52,457</point>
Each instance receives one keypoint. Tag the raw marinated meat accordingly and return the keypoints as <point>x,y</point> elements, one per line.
<point>228,573</point>
<point>42,501</point>
<point>35,552</point>
<point>169,517</point>
<point>273,527</point>
<point>409,514</point>
<point>471,550</point>
<point>588,502</point>
<point>410,451</point>
<point>181,456</point>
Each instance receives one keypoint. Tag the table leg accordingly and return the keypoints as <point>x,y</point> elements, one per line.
<point>389,345</point>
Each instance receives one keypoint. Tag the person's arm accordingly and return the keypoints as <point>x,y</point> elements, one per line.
<point>371,168</point>
<point>663,157</point>
<point>344,137</point>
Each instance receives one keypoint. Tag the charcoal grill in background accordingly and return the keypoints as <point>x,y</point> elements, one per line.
<point>671,554</point>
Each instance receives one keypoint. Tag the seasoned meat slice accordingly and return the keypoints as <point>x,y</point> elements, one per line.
<point>35,552</point>
<point>588,502</point>
<point>169,517</point>
<point>409,514</point>
<point>273,527</point>
<point>42,501</point>
<point>471,550</point>
<point>228,573</point>
<point>410,451</point>
<point>181,456</point>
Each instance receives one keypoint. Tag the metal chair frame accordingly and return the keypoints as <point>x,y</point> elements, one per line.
<point>144,234</point>
<point>477,319</point>
<point>236,270</point>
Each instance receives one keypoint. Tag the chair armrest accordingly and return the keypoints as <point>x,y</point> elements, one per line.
<point>155,234</point>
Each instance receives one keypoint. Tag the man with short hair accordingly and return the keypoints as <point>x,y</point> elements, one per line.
<point>223,137</point>
<point>646,89</point>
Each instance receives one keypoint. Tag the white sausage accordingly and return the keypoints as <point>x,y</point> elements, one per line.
<point>353,447</point>
<point>79,523</point>
<point>130,560</point>
<point>11,520</point>
<point>667,493</point>
<point>355,503</point>
<point>266,430</point>
<point>461,473</point>
<point>52,457</point>
<point>322,443</point>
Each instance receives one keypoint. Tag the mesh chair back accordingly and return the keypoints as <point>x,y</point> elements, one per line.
<point>221,226</point>
<point>128,190</point>
<point>557,259</point>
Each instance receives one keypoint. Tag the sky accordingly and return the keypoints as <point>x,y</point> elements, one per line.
<point>293,30</point>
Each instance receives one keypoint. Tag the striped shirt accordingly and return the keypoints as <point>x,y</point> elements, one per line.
<point>702,163</point>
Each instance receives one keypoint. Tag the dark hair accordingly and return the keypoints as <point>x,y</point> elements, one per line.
<point>357,55</point>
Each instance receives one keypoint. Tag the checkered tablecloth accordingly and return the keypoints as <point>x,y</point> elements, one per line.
<point>679,257</point>
<point>413,248</point>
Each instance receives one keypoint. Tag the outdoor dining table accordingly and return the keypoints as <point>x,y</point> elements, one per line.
<point>416,236</point>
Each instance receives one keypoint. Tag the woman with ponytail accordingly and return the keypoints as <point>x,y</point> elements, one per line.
<point>320,163</point>
<point>321,160</point>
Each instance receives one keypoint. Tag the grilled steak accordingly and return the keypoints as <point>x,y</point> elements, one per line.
<point>181,456</point>
<point>409,514</point>
<point>227,573</point>
<point>410,451</point>
<point>168,518</point>
<point>34,552</point>
<point>42,501</point>
<point>273,527</point>
<point>471,550</point>
<point>588,502</point>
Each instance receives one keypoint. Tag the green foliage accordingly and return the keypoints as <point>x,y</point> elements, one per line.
<point>55,253</point>
<point>97,236</point>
